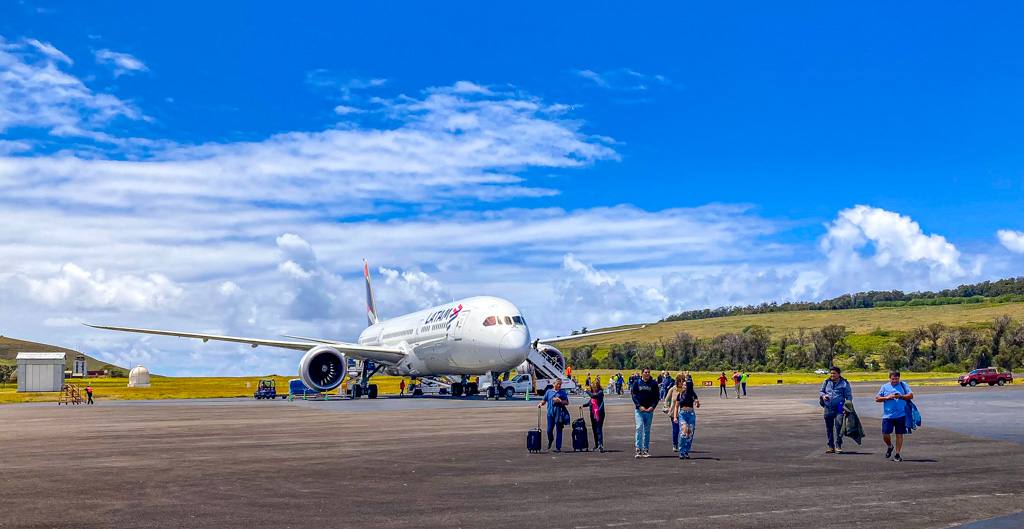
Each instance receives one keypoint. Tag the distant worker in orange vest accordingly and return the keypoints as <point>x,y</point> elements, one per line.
<point>88,391</point>
<point>401,388</point>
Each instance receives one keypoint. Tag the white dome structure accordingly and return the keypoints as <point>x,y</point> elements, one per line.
<point>138,378</point>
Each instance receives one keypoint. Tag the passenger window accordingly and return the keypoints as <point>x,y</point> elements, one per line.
<point>508,321</point>
<point>489,321</point>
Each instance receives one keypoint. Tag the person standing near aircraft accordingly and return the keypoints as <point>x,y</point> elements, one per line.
<point>721,386</point>
<point>684,414</point>
<point>736,383</point>
<point>558,415</point>
<point>834,393</point>
<point>743,382</point>
<point>596,404</point>
<point>669,399</point>
<point>88,392</point>
<point>645,397</point>
<point>894,396</point>
<point>401,388</point>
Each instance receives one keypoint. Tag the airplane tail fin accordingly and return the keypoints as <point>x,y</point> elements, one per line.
<point>371,307</point>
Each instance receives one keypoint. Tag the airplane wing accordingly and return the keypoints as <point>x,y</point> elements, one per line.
<point>584,335</point>
<point>385,355</point>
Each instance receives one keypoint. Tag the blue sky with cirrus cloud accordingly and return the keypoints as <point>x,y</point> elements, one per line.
<point>172,176</point>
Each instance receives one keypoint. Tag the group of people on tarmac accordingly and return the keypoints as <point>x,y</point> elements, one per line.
<point>739,384</point>
<point>836,396</point>
<point>680,402</point>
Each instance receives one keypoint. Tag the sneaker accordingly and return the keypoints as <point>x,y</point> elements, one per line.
<point>639,454</point>
<point>675,448</point>
<point>558,450</point>
<point>600,449</point>
<point>646,453</point>
<point>896,458</point>
<point>687,455</point>
<point>682,455</point>
<point>839,450</point>
<point>889,452</point>
<point>830,451</point>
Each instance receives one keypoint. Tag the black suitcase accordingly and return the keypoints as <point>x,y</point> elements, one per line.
<point>533,437</point>
<point>580,441</point>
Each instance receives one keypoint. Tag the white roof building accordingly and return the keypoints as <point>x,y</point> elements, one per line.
<point>40,372</point>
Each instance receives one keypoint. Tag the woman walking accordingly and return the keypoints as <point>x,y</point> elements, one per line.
<point>684,414</point>
<point>670,398</point>
<point>721,386</point>
<point>596,403</point>
<point>558,414</point>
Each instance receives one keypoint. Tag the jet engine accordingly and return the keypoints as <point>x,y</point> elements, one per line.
<point>548,352</point>
<point>322,368</point>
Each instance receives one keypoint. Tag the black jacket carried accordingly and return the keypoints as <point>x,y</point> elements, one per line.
<point>851,423</point>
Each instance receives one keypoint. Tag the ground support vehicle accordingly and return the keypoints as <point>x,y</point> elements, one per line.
<point>988,375</point>
<point>267,389</point>
<point>429,386</point>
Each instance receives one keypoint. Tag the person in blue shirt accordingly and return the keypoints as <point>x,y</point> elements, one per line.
<point>835,391</point>
<point>646,395</point>
<point>558,415</point>
<point>894,396</point>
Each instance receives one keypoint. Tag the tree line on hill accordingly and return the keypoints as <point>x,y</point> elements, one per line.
<point>1002,291</point>
<point>935,347</point>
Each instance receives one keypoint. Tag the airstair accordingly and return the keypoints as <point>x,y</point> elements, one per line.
<point>547,363</point>
<point>70,394</point>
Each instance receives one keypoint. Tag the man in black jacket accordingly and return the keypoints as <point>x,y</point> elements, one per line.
<point>645,393</point>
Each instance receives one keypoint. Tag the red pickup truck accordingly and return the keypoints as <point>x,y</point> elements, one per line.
<point>985,376</point>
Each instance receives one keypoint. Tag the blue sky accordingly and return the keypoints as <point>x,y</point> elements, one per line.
<point>202,167</point>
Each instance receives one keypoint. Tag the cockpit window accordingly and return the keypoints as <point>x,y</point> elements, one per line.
<point>508,321</point>
<point>489,321</point>
<point>519,320</point>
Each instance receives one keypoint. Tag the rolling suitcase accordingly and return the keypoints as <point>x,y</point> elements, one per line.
<point>533,437</point>
<point>580,442</point>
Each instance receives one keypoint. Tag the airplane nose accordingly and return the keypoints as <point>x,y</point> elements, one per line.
<point>513,345</point>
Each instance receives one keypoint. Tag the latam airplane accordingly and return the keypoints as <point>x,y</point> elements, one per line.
<point>480,335</point>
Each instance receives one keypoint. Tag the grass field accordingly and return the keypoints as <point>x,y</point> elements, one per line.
<point>860,322</point>
<point>218,387</point>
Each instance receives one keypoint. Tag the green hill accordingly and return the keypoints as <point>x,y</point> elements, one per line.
<point>10,347</point>
<point>967,336</point>
<point>856,321</point>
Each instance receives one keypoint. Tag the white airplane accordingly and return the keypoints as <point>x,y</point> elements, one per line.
<point>481,335</point>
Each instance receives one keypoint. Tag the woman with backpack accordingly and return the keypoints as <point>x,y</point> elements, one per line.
<point>596,404</point>
<point>558,415</point>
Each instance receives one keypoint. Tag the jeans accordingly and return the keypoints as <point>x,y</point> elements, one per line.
<point>643,429</point>
<point>675,434</point>
<point>598,426</point>
<point>551,427</point>
<point>722,391</point>
<point>834,423</point>
<point>744,389</point>
<point>688,418</point>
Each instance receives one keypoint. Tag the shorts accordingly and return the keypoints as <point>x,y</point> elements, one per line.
<point>899,424</point>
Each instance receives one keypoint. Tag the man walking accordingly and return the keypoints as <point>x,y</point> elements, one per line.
<point>88,393</point>
<point>645,397</point>
<point>736,383</point>
<point>743,382</point>
<point>835,391</point>
<point>401,388</point>
<point>894,396</point>
<point>666,383</point>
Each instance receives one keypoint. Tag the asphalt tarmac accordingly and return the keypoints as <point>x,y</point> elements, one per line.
<point>757,462</point>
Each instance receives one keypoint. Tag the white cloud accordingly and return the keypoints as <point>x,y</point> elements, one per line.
<point>35,93</point>
<point>871,248</point>
<point>49,50</point>
<point>1012,240</point>
<point>74,287</point>
<point>623,79</point>
<point>342,110</point>
<point>124,63</point>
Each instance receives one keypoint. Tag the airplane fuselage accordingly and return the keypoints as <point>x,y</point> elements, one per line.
<point>472,336</point>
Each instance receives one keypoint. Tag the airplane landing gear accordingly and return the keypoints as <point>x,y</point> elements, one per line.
<point>364,387</point>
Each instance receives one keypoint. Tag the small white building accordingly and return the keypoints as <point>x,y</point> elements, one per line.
<point>138,377</point>
<point>40,372</point>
